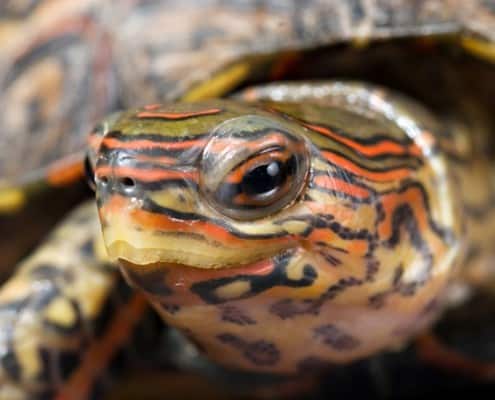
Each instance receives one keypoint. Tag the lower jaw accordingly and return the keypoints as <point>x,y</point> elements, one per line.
<point>235,322</point>
<point>183,276</point>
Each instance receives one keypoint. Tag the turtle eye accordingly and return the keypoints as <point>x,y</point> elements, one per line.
<point>258,181</point>
<point>89,173</point>
<point>254,172</point>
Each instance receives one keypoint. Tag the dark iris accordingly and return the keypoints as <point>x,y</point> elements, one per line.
<point>89,173</point>
<point>266,179</point>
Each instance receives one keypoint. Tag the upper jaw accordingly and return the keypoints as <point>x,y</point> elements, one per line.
<point>194,257</point>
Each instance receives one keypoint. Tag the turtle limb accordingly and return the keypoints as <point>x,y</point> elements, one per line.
<point>457,343</point>
<point>59,323</point>
<point>434,352</point>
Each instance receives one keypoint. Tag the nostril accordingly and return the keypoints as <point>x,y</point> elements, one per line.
<point>127,182</point>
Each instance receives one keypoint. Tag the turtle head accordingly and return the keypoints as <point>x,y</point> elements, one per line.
<point>201,185</point>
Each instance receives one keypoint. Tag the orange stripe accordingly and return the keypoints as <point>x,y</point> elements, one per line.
<point>339,185</point>
<point>165,223</point>
<point>142,144</point>
<point>66,171</point>
<point>157,160</point>
<point>190,275</point>
<point>358,247</point>
<point>97,357</point>
<point>271,139</point>
<point>380,148</point>
<point>179,115</point>
<point>348,165</point>
<point>207,229</point>
<point>434,352</point>
<point>146,175</point>
<point>390,201</point>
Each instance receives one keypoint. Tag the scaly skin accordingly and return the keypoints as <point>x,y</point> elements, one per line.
<point>353,254</point>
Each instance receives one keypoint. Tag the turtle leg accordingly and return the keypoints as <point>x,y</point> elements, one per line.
<point>64,315</point>
<point>434,352</point>
<point>460,342</point>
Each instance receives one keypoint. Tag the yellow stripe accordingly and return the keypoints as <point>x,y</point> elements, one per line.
<point>221,83</point>
<point>11,200</point>
<point>480,48</point>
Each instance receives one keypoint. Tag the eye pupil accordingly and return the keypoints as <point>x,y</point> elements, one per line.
<point>263,179</point>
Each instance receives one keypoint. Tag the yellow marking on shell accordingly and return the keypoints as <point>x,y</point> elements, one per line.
<point>221,83</point>
<point>100,286</point>
<point>61,312</point>
<point>233,290</point>
<point>479,48</point>
<point>27,352</point>
<point>11,200</point>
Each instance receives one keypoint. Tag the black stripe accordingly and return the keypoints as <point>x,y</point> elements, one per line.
<point>155,137</point>
<point>367,167</point>
<point>153,207</point>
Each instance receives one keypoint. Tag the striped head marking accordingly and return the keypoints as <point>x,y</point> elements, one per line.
<point>204,185</point>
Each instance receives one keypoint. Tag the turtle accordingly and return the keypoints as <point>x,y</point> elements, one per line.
<point>66,313</point>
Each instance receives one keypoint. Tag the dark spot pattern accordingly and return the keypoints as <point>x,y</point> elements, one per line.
<point>289,308</point>
<point>236,316</point>
<point>51,272</point>
<point>260,352</point>
<point>335,338</point>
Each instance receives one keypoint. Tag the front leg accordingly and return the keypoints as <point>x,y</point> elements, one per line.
<point>64,315</point>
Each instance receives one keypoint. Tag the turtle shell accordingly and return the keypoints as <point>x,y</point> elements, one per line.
<point>65,64</point>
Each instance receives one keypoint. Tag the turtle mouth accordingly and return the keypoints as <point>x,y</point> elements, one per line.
<point>260,267</point>
<point>162,279</point>
<point>193,257</point>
